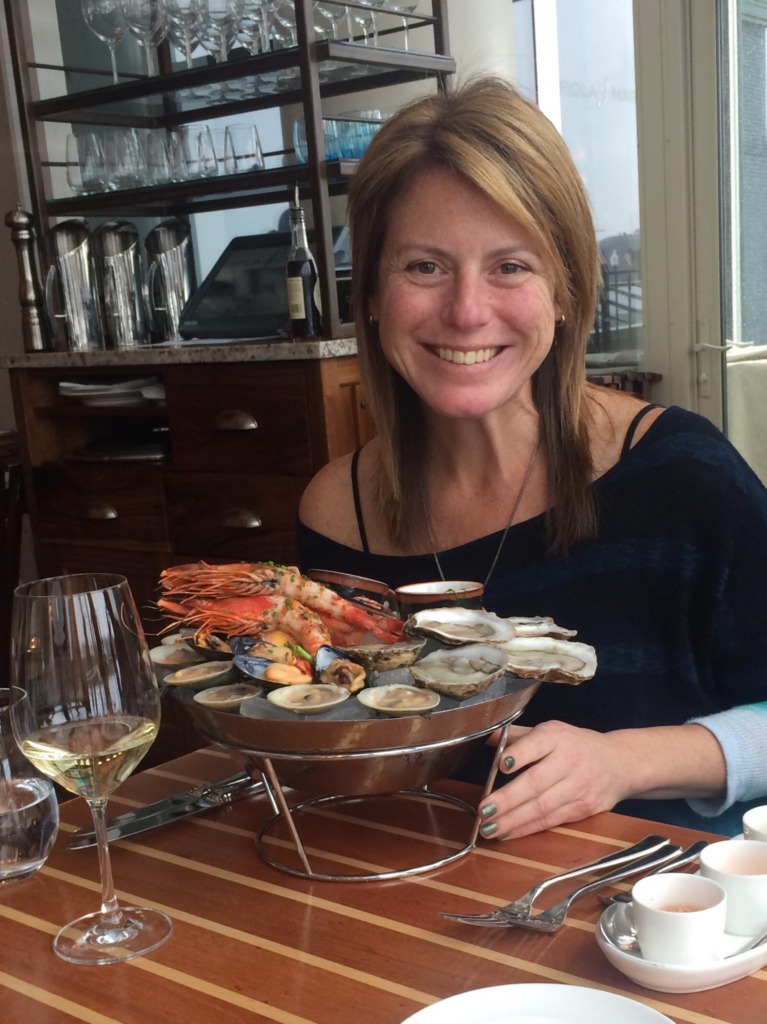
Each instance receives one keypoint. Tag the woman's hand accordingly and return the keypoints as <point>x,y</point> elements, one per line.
<point>571,773</point>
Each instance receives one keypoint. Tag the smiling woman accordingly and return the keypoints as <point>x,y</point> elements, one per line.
<point>475,271</point>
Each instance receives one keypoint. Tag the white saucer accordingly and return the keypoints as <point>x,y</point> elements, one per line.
<point>537,1004</point>
<point>673,977</point>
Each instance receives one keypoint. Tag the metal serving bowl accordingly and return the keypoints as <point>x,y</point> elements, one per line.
<point>356,757</point>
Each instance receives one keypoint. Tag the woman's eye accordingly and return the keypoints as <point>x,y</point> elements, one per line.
<point>426,267</point>
<point>510,268</point>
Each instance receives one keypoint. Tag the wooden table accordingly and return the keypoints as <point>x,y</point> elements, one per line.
<point>253,944</point>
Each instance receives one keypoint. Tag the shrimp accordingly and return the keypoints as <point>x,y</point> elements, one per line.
<point>243,616</point>
<point>242,579</point>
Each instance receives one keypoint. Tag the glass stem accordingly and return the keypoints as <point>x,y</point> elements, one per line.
<point>109,906</point>
<point>114,64</point>
<point>405,26</point>
<point>188,48</point>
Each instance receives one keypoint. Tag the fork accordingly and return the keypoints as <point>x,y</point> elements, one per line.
<point>690,856</point>
<point>550,920</point>
<point>524,905</point>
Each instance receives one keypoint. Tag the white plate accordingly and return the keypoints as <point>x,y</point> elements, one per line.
<point>537,1004</point>
<point>675,977</point>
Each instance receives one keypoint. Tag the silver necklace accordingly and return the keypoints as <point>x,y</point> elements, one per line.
<point>502,541</point>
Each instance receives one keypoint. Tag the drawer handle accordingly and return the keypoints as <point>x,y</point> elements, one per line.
<point>99,510</point>
<point>235,419</point>
<point>240,519</point>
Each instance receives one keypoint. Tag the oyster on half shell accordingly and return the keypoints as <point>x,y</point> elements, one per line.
<point>539,625</point>
<point>386,657</point>
<point>549,659</point>
<point>461,672</point>
<point>460,625</point>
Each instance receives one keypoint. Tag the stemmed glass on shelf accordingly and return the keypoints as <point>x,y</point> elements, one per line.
<point>105,18</point>
<point>404,7</point>
<point>147,22</point>
<point>186,20</point>
<point>90,712</point>
<point>223,24</point>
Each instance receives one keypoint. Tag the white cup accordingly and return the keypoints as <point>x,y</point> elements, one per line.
<point>679,918</point>
<point>740,867</point>
<point>755,824</point>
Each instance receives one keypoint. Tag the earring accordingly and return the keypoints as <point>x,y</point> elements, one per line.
<point>560,321</point>
<point>371,321</point>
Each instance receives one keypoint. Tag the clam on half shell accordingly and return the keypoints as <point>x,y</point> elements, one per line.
<point>228,697</point>
<point>461,672</point>
<point>398,699</point>
<point>460,625</point>
<point>548,659</point>
<point>309,698</point>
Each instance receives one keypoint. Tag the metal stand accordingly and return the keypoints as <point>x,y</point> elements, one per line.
<point>284,812</point>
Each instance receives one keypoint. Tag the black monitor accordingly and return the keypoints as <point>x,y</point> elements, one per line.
<point>245,295</point>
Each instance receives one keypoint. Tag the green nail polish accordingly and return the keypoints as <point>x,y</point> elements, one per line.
<point>488,810</point>
<point>509,763</point>
<point>489,829</point>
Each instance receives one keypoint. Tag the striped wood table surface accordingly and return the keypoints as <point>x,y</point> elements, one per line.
<point>254,944</point>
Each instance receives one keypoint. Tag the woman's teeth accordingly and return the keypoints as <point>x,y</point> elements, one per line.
<point>454,355</point>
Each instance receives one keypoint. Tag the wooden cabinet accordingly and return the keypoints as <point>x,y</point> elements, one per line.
<point>243,440</point>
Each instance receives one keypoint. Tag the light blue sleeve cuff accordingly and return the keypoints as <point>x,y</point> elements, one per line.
<point>742,735</point>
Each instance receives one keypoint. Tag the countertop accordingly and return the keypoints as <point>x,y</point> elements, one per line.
<point>169,354</point>
<point>253,943</point>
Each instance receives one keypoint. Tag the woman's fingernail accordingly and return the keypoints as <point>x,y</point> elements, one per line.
<point>489,829</point>
<point>508,763</point>
<point>488,810</point>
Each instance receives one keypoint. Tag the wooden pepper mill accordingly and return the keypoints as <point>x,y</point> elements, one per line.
<point>33,326</point>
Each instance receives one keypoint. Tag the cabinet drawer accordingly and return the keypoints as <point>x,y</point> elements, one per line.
<point>120,505</point>
<point>252,420</point>
<point>216,516</point>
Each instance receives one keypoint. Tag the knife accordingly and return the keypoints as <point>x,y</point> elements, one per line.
<point>202,798</point>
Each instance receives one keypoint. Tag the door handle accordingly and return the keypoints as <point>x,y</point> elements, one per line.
<point>240,519</point>
<point>235,419</point>
<point>99,510</point>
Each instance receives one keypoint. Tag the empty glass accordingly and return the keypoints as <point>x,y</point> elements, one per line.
<point>106,19</point>
<point>147,22</point>
<point>158,157</point>
<point>124,159</point>
<point>404,7</point>
<point>223,24</point>
<point>330,132</point>
<point>198,153</point>
<point>186,20</point>
<point>29,810</point>
<point>242,149</point>
<point>86,170</point>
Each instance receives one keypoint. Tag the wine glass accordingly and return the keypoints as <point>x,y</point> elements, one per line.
<point>404,7</point>
<point>105,18</point>
<point>223,24</point>
<point>147,22</point>
<point>186,19</point>
<point>90,711</point>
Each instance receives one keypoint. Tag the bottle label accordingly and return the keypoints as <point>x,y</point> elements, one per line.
<point>296,302</point>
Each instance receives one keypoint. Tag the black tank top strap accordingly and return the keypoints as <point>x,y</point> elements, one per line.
<point>635,423</point>
<point>357,502</point>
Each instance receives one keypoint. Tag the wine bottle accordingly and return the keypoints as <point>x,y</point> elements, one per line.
<point>302,280</point>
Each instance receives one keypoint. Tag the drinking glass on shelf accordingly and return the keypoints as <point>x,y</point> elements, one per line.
<point>106,19</point>
<point>158,157</point>
<point>147,22</point>
<point>90,712</point>
<point>124,160</point>
<point>186,20</point>
<point>334,13</point>
<point>242,149</point>
<point>254,27</point>
<point>199,152</point>
<point>85,162</point>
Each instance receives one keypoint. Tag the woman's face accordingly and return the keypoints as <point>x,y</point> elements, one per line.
<point>464,298</point>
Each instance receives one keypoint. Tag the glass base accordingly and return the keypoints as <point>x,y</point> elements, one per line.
<point>94,939</point>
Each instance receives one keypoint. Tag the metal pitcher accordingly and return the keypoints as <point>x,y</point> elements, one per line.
<point>70,286</point>
<point>171,276</point>
<point>120,281</point>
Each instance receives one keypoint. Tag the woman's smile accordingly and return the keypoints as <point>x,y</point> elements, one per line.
<point>466,358</point>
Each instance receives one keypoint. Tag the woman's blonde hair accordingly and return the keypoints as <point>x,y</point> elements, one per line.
<point>488,134</point>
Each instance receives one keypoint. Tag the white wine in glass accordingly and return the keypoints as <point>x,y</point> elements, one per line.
<point>90,712</point>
